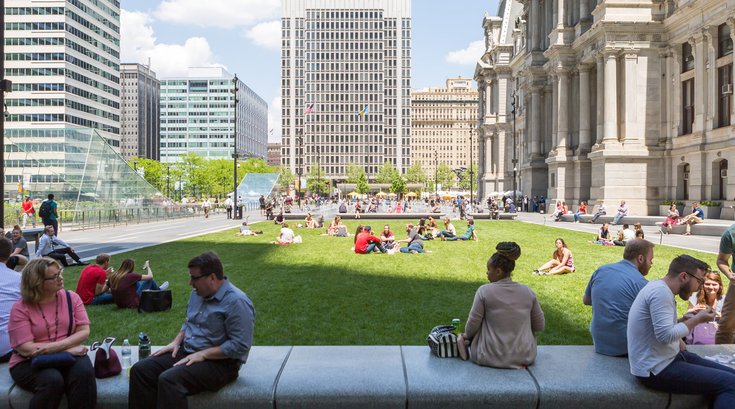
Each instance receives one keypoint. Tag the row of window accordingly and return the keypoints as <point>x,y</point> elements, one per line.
<point>93,55</point>
<point>345,46</point>
<point>93,41</point>
<point>33,11</point>
<point>31,41</point>
<point>114,39</point>
<point>102,19</point>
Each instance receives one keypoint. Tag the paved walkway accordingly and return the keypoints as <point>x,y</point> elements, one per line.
<point>120,239</point>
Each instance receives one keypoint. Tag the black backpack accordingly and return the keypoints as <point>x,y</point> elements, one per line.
<point>45,210</point>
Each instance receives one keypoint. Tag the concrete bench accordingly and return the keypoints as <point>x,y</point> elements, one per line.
<point>501,215</point>
<point>699,229</point>
<point>34,234</point>
<point>629,220</point>
<point>410,377</point>
<point>392,216</point>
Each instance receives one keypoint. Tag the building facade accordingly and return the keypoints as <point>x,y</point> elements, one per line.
<point>274,154</point>
<point>198,115</point>
<point>443,122</point>
<point>63,58</point>
<point>608,100</point>
<point>140,127</point>
<point>345,85</point>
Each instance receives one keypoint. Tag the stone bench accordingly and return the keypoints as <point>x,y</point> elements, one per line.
<point>501,215</point>
<point>699,229</point>
<point>629,220</point>
<point>410,377</point>
<point>392,216</point>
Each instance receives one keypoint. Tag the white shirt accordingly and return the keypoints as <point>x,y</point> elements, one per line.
<point>9,294</point>
<point>628,234</point>
<point>287,234</point>
<point>653,333</point>
<point>48,243</point>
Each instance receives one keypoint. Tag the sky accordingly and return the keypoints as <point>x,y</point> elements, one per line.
<point>244,37</point>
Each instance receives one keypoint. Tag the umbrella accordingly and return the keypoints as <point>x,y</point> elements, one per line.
<point>411,194</point>
<point>381,194</point>
<point>392,195</point>
<point>353,194</point>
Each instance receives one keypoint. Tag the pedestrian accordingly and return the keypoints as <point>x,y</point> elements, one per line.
<point>49,214</point>
<point>28,212</point>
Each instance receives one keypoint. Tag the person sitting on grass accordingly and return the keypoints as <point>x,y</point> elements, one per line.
<point>286,236</point>
<point>639,231</point>
<point>469,234</point>
<point>414,242</point>
<point>561,261</point>
<point>366,243</point>
<point>126,285</point>
<point>505,317</point>
<point>449,230</point>
<point>246,231</point>
<point>387,237</point>
<point>309,222</point>
<point>603,235</point>
<point>432,227</point>
<point>93,287</point>
<point>624,235</point>
<point>57,249</point>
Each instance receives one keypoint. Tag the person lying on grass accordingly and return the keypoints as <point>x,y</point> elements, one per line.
<point>561,261</point>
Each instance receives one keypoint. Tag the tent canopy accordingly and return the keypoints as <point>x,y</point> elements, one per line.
<point>381,194</point>
<point>353,194</point>
<point>411,194</point>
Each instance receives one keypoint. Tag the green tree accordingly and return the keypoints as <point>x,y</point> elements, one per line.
<point>217,178</point>
<point>416,174</point>
<point>153,171</point>
<point>385,173</point>
<point>445,176</point>
<point>191,167</point>
<point>353,172</point>
<point>398,184</point>
<point>285,177</point>
<point>316,181</point>
<point>362,185</point>
<point>256,165</point>
<point>464,183</point>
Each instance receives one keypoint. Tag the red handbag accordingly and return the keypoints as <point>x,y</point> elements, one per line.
<point>106,362</point>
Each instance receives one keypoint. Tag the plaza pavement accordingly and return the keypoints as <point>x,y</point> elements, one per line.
<point>123,238</point>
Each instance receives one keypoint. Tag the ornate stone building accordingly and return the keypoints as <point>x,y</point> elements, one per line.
<point>615,100</point>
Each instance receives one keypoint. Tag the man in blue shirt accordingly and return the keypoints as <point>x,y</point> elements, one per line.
<point>208,351</point>
<point>697,216</point>
<point>611,291</point>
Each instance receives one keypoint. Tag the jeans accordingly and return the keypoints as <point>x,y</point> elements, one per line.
<point>617,218</point>
<point>156,383</point>
<point>413,246</point>
<point>577,215</point>
<point>49,385</point>
<point>27,216</point>
<point>597,216</point>
<point>141,286</point>
<point>693,375</point>
<point>444,233</point>
<point>372,246</point>
<point>104,298</point>
<point>60,255</point>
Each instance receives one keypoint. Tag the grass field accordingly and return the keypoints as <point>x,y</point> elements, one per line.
<point>321,293</point>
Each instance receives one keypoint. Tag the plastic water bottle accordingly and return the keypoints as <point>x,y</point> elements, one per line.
<point>455,324</point>
<point>144,346</point>
<point>126,355</point>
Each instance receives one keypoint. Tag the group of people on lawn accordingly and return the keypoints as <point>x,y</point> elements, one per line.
<point>366,242</point>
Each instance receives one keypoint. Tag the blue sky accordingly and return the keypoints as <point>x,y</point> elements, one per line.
<point>244,37</point>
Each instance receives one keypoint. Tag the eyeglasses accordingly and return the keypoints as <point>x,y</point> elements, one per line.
<point>194,278</point>
<point>699,280</point>
<point>56,276</point>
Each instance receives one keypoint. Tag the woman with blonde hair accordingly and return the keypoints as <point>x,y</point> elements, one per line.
<point>561,261</point>
<point>126,285</point>
<point>709,295</point>
<point>505,317</point>
<point>47,329</point>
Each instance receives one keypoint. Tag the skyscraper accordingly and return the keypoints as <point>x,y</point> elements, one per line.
<point>198,114</point>
<point>141,110</point>
<point>346,80</point>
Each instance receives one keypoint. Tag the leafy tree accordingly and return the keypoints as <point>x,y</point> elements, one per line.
<point>316,180</point>
<point>398,184</point>
<point>385,173</point>
<point>445,176</point>
<point>353,172</point>
<point>362,185</point>
<point>153,171</point>
<point>256,165</point>
<point>285,177</point>
<point>464,182</point>
<point>416,174</point>
<point>217,178</point>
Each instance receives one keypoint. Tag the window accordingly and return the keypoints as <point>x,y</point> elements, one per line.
<point>724,41</point>
<point>724,95</point>
<point>687,57</point>
<point>687,101</point>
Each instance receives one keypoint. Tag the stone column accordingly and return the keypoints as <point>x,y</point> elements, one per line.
<point>600,100</point>
<point>562,110</point>
<point>535,25</point>
<point>710,92</point>
<point>584,108</point>
<point>630,114</point>
<point>560,18</point>
<point>611,97</point>
<point>536,122</point>
<point>676,62</point>
<point>697,42</point>
<point>554,112</point>
<point>583,10</point>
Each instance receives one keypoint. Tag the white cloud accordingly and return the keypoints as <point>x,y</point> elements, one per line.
<point>469,55</point>
<point>274,119</point>
<point>266,35</point>
<point>218,13</point>
<point>138,44</point>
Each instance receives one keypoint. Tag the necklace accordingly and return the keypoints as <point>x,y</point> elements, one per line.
<point>56,320</point>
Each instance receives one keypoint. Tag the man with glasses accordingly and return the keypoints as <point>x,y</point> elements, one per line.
<point>208,351</point>
<point>57,249</point>
<point>657,354</point>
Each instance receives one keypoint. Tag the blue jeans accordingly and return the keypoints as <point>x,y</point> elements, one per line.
<point>445,234</point>
<point>693,375</point>
<point>141,286</point>
<point>617,218</point>
<point>597,215</point>
<point>372,246</point>
<point>104,298</point>
<point>413,246</point>
<point>577,215</point>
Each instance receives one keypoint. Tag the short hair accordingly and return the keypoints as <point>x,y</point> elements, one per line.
<point>208,263</point>
<point>686,263</point>
<point>470,220</point>
<point>51,196</point>
<point>637,247</point>
<point>284,224</point>
<point>33,277</point>
<point>102,258</point>
<point>625,225</point>
<point>46,227</point>
<point>6,247</point>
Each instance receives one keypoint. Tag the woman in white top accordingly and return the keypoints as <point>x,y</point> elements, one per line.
<point>710,295</point>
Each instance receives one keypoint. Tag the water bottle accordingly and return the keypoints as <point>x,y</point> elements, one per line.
<point>455,324</point>
<point>144,346</point>
<point>126,355</point>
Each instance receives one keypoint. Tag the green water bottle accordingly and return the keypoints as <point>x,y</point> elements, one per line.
<point>455,324</point>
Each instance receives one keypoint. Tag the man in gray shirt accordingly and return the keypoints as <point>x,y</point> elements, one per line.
<point>657,354</point>
<point>208,351</point>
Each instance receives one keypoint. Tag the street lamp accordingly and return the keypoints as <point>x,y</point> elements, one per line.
<point>300,162</point>
<point>471,160</point>
<point>168,181</point>
<point>436,173</point>
<point>515,159</point>
<point>235,155</point>
<point>318,174</point>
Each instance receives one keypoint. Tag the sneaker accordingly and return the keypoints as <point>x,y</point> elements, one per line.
<point>413,251</point>
<point>536,272</point>
<point>163,286</point>
<point>81,263</point>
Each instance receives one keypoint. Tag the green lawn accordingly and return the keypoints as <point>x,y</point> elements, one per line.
<point>321,293</point>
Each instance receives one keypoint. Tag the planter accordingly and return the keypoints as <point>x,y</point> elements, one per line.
<point>663,210</point>
<point>727,213</point>
<point>712,212</point>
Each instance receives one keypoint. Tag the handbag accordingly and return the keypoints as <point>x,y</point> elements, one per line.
<point>702,334</point>
<point>443,342</point>
<point>155,301</point>
<point>59,359</point>
<point>106,362</point>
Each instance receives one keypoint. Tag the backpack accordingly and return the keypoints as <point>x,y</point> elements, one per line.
<point>342,208</point>
<point>45,210</point>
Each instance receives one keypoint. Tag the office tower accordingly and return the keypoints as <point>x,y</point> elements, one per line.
<point>346,80</point>
<point>140,112</point>
<point>198,115</point>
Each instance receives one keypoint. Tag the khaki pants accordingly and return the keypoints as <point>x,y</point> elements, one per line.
<point>726,331</point>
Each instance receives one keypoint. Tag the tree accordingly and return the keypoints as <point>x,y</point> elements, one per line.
<point>353,172</point>
<point>153,172</point>
<point>445,176</point>
<point>217,178</point>
<point>416,174</point>
<point>385,173</point>
<point>192,171</point>
<point>362,185</point>
<point>398,184</point>
<point>285,177</point>
<point>316,181</point>
<point>256,165</point>
<point>464,182</point>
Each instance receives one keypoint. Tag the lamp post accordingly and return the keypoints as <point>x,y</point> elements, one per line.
<point>318,174</point>
<point>471,170</point>
<point>234,145</point>
<point>300,162</point>
<point>436,173</point>
<point>168,181</point>
<point>515,159</point>
<point>5,86</point>
<point>181,187</point>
